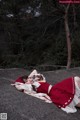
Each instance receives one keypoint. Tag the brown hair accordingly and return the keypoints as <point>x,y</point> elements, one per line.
<point>24,78</point>
<point>40,77</point>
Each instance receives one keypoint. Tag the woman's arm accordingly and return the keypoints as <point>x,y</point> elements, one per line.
<point>43,96</point>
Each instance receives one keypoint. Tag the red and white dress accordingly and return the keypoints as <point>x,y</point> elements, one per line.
<point>64,94</point>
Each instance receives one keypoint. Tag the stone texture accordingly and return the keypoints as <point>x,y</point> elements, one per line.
<point>20,106</point>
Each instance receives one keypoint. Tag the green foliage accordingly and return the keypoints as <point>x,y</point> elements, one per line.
<point>76,48</point>
<point>29,41</point>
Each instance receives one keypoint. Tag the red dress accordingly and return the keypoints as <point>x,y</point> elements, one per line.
<point>61,93</point>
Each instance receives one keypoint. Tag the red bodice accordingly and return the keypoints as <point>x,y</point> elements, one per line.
<point>43,88</point>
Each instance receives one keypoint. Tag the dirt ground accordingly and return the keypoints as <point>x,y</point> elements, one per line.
<point>20,106</point>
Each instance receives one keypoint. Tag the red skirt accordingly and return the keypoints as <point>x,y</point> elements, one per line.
<point>62,93</point>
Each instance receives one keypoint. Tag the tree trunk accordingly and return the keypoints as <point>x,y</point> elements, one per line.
<point>68,38</point>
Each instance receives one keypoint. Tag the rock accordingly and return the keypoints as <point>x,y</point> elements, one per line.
<point>20,106</point>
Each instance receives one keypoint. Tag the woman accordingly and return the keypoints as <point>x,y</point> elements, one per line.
<point>65,94</point>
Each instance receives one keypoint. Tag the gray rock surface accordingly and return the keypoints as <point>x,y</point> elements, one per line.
<point>20,106</point>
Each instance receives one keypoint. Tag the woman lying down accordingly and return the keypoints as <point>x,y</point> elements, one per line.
<point>65,94</point>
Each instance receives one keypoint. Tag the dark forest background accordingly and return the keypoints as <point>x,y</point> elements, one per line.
<point>32,33</point>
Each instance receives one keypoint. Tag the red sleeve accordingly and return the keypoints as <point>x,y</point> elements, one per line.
<point>19,80</point>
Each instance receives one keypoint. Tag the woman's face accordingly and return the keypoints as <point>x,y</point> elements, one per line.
<point>29,80</point>
<point>38,77</point>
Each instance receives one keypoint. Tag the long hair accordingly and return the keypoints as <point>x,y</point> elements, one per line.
<point>24,78</point>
